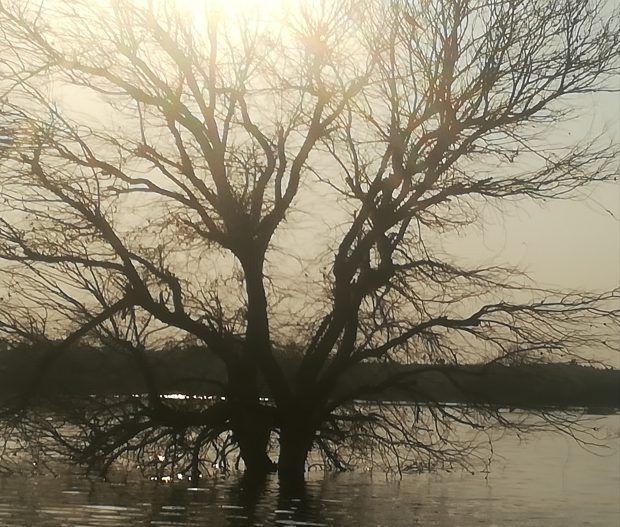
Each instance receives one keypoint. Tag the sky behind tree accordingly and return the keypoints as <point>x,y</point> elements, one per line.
<point>562,244</point>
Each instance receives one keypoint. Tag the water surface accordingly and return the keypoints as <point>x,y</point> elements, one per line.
<point>546,481</point>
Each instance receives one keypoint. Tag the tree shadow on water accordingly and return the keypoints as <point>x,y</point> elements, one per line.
<point>300,501</point>
<point>256,499</point>
<point>247,500</point>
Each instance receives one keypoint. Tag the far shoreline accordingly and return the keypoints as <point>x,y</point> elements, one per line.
<point>190,372</point>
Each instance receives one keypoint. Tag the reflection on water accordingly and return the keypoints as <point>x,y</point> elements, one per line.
<point>548,481</point>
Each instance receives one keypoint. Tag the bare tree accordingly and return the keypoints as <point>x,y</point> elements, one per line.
<point>167,209</point>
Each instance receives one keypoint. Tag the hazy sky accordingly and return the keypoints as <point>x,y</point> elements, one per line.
<point>569,244</point>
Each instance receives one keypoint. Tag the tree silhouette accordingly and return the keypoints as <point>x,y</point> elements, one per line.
<point>271,190</point>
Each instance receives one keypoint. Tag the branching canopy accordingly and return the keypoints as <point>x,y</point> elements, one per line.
<point>255,185</point>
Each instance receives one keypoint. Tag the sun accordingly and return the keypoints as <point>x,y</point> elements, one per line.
<point>230,9</point>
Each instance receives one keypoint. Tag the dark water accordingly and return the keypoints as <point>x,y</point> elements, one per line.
<point>547,481</point>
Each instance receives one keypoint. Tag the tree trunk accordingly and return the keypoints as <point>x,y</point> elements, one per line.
<point>252,436</point>
<point>249,421</point>
<point>295,444</point>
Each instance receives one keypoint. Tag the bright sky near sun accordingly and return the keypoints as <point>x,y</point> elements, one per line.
<point>226,5</point>
<point>230,9</point>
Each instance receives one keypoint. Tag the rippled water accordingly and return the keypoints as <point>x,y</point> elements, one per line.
<point>547,481</point>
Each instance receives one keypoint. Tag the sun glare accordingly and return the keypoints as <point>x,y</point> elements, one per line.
<point>230,9</point>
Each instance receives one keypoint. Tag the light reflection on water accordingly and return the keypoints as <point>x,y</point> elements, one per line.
<point>547,481</point>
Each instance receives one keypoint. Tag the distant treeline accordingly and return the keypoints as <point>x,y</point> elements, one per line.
<point>90,370</point>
